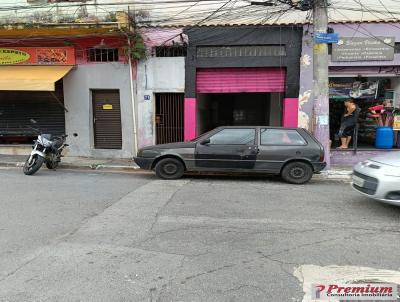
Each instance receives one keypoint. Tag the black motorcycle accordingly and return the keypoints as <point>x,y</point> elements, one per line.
<point>47,149</point>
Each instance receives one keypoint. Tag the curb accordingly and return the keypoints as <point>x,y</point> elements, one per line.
<point>324,175</point>
<point>335,175</point>
<point>133,167</point>
<point>12,164</point>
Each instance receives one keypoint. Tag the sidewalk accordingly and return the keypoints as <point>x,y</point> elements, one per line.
<point>70,162</point>
<point>335,173</point>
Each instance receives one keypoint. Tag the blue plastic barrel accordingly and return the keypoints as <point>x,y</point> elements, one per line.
<point>384,138</point>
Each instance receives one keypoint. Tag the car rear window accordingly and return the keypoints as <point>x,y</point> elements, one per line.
<point>286,137</point>
<point>234,136</point>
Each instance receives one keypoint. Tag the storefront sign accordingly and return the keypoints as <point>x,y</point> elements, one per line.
<point>355,90</point>
<point>396,122</point>
<point>13,56</point>
<point>37,56</point>
<point>363,49</point>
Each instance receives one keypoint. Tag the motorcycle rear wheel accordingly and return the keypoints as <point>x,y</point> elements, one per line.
<point>51,165</point>
<point>37,162</point>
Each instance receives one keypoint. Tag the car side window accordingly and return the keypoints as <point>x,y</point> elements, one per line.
<point>234,136</point>
<point>285,137</point>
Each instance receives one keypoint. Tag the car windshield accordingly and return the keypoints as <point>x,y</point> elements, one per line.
<point>200,136</point>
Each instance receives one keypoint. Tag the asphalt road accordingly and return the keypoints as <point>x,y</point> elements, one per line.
<point>84,236</point>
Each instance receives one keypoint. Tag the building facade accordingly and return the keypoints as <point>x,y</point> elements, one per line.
<point>84,89</point>
<point>161,86</point>
<point>364,65</point>
<point>241,75</point>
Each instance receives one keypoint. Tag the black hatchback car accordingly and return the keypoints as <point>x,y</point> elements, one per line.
<point>292,153</point>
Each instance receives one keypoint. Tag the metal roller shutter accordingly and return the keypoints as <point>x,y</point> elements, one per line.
<point>107,119</point>
<point>236,80</point>
<point>18,108</point>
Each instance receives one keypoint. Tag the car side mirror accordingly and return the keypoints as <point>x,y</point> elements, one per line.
<point>205,142</point>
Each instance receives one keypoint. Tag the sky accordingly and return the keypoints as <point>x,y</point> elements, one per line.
<point>172,12</point>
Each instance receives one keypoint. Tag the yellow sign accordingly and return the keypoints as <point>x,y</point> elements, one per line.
<point>107,107</point>
<point>396,122</point>
<point>13,56</point>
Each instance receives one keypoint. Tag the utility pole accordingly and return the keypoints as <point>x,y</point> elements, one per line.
<point>95,8</point>
<point>320,78</point>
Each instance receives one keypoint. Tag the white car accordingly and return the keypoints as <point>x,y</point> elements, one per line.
<point>379,178</point>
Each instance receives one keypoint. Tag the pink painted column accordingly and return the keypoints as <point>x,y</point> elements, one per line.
<point>189,119</point>
<point>290,112</point>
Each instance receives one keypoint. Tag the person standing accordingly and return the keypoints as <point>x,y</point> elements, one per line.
<point>348,123</point>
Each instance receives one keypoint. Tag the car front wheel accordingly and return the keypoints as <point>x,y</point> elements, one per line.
<point>169,168</point>
<point>297,172</point>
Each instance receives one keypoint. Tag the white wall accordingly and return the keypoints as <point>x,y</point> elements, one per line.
<point>77,97</point>
<point>156,75</point>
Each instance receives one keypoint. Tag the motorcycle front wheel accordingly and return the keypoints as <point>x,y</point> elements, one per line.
<point>34,166</point>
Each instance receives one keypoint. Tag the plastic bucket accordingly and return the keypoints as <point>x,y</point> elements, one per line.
<point>384,138</point>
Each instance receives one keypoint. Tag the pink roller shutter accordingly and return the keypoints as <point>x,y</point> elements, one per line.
<point>232,80</point>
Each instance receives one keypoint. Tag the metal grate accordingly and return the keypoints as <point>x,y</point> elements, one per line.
<point>103,55</point>
<point>170,51</point>
<point>241,51</point>
<point>169,117</point>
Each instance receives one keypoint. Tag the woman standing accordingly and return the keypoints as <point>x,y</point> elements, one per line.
<point>348,123</point>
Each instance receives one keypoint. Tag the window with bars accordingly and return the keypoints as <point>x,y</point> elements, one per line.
<point>103,55</point>
<point>241,51</point>
<point>170,51</point>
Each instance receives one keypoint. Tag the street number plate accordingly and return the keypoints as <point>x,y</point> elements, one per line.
<point>358,181</point>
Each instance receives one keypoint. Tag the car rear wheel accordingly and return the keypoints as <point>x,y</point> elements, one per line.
<point>297,172</point>
<point>169,168</point>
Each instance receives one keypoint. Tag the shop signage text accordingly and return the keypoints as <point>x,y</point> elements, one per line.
<point>13,56</point>
<point>363,49</point>
<point>356,89</point>
<point>37,56</point>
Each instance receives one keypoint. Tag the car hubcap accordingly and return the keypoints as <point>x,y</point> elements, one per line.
<point>170,168</point>
<point>297,172</point>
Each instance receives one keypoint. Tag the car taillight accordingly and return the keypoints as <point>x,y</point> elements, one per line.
<point>321,155</point>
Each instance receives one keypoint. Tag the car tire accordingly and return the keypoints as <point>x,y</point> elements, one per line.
<point>297,172</point>
<point>170,168</point>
